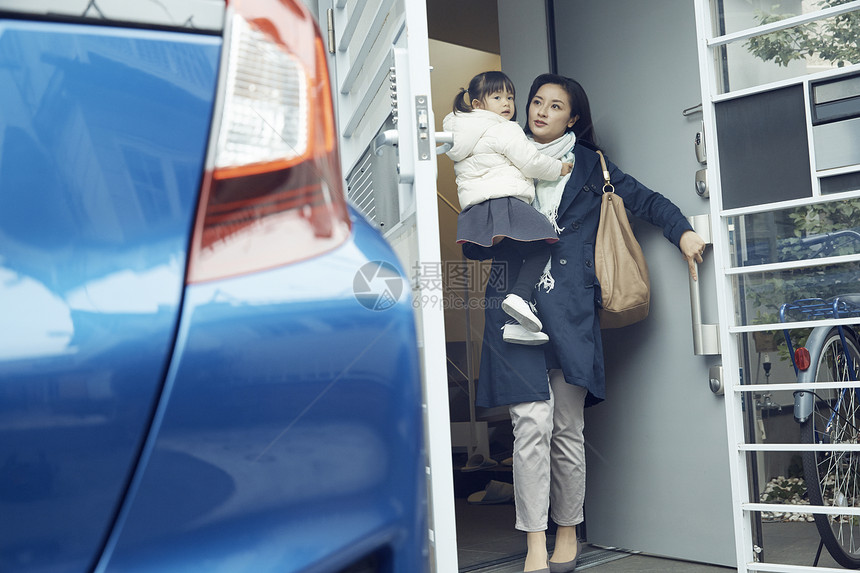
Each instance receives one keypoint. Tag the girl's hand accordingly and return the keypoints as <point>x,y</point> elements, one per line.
<point>565,168</point>
<point>692,247</point>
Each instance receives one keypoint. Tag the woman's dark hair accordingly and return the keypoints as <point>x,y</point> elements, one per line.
<point>584,127</point>
<point>481,86</point>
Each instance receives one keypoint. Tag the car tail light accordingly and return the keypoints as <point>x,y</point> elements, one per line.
<point>272,192</point>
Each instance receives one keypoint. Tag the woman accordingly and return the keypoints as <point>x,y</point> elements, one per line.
<point>547,387</point>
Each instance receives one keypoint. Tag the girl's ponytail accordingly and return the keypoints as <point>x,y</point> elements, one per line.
<point>460,102</point>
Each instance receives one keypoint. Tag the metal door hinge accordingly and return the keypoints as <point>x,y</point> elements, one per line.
<point>330,20</point>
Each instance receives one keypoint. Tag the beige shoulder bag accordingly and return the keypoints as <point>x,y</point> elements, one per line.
<point>619,263</point>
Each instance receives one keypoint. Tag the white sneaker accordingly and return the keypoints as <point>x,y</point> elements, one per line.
<point>521,311</point>
<point>517,334</point>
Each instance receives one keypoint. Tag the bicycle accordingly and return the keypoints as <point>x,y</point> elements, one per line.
<point>830,416</point>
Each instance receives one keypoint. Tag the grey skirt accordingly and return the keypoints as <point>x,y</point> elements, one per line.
<point>504,217</point>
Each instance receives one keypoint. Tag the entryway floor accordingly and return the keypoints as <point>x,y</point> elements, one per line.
<point>602,561</point>
<point>488,543</point>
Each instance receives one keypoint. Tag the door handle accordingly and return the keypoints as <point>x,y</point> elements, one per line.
<point>389,137</point>
<point>706,337</point>
<point>383,138</point>
<point>446,138</point>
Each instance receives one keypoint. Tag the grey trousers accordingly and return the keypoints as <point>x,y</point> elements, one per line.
<point>549,457</point>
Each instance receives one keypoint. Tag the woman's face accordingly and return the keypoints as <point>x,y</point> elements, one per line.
<point>550,113</point>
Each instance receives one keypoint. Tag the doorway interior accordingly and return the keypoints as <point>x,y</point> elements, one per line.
<point>482,441</point>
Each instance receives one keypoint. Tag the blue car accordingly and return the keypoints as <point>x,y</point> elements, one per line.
<point>208,360</point>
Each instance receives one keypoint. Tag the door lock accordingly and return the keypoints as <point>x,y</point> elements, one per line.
<point>422,128</point>
<point>701,152</point>
<point>702,183</point>
<point>715,380</point>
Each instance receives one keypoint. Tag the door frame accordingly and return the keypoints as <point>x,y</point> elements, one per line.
<point>377,82</point>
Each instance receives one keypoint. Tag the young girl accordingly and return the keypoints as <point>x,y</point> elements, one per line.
<point>495,164</point>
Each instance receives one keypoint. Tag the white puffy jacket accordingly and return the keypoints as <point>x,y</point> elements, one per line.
<point>494,158</point>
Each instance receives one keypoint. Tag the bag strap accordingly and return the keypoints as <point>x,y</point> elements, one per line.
<point>605,174</point>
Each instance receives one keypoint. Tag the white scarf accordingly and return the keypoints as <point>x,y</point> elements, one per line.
<point>548,193</point>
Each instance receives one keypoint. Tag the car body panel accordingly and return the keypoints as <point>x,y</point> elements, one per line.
<point>323,406</point>
<point>103,134</point>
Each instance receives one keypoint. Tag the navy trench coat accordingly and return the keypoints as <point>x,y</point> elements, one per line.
<point>514,373</point>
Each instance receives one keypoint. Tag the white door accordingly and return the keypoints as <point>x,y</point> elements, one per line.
<point>382,95</point>
<point>783,171</point>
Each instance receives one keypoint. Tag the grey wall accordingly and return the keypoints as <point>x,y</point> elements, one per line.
<point>658,478</point>
<point>523,45</point>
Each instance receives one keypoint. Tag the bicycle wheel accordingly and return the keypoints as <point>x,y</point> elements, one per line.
<point>833,478</point>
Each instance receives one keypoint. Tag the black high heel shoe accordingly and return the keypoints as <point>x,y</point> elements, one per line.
<point>567,566</point>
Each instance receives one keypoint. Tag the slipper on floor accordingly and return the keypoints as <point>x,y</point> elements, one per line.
<point>494,492</point>
<point>479,462</point>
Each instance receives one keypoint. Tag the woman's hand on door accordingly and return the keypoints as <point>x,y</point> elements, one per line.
<point>692,247</point>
